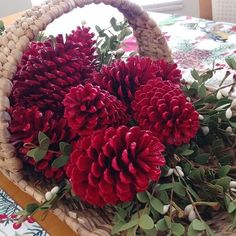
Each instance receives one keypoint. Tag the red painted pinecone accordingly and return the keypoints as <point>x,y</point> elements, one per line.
<point>111,166</point>
<point>168,72</point>
<point>122,78</point>
<point>88,108</point>
<point>162,108</point>
<point>25,126</point>
<point>49,69</point>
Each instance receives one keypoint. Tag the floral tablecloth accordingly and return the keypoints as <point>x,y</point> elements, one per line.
<point>8,226</point>
<point>197,44</point>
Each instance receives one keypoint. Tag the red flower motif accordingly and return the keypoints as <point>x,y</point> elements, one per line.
<point>30,219</point>
<point>25,126</point>
<point>123,78</point>
<point>162,108</point>
<point>49,69</point>
<point>88,108</point>
<point>17,225</point>
<point>3,216</point>
<point>111,166</point>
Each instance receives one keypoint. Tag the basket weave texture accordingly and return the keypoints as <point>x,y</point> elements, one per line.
<point>13,42</point>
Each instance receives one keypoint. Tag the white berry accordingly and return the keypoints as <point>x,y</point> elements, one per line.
<point>48,196</point>
<point>55,190</point>
<point>192,215</point>
<point>232,184</point>
<point>228,113</point>
<point>201,117</point>
<point>166,209</point>
<point>219,95</point>
<point>205,130</point>
<point>188,208</point>
<point>170,172</point>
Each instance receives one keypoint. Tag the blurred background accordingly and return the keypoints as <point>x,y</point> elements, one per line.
<point>219,10</point>
<point>183,7</point>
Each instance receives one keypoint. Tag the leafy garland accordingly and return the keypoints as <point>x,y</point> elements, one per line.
<point>198,179</point>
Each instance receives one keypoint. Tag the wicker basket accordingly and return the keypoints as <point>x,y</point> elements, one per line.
<point>13,42</point>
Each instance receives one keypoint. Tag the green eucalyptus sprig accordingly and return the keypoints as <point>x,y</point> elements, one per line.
<point>38,152</point>
<point>2,27</point>
<point>56,194</point>
<point>198,178</point>
<point>109,41</point>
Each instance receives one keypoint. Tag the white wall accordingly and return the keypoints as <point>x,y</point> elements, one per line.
<point>8,7</point>
<point>180,7</point>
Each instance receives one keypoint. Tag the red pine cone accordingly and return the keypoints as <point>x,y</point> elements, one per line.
<point>111,166</point>
<point>88,108</point>
<point>25,126</point>
<point>123,78</point>
<point>49,69</point>
<point>162,108</point>
<point>168,72</point>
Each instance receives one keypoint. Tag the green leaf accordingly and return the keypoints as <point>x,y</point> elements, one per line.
<point>100,31</point>
<point>198,225</point>
<point>197,174</point>
<point>129,225</point>
<point>224,170</point>
<point>22,213</point>
<point>211,99</point>
<point>46,205</point>
<point>195,74</point>
<point>217,146</point>
<point>2,27</point>
<point>30,208</point>
<point>37,153</point>
<point>143,197</point>
<point>151,232</point>
<point>202,91</point>
<point>168,221</point>
<point>161,225</point>
<point>121,214</point>
<point>114,24</point>
<point>187,152</point>
<point>113,43</point>
<point>177,228</point>
<point>232,122</point>
<point>132,231</point>
<point>182,148</point>
<point>31,153</point>
<point>191,231</point>
<point>231,62</point>
<point>164,198</point>
<point>202,159</point>
<point>60,161</point>
<point>65,148</point>
<point>179,189</point>
<point>156,204</point>
<point>208,230</point>
<point>124,33</point>
<point>231,207</point>
<point>44,140</point>
<point>165,186</point>
<point>193,193</point>
<point>116,228</point>
<point>224,182</point>
<point>146,222</point>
